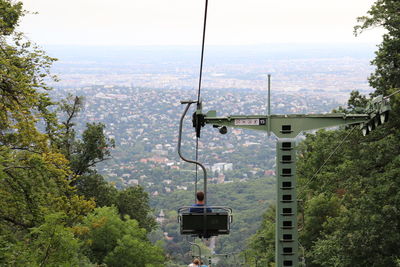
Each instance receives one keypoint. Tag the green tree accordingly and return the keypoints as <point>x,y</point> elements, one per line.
<point>93,186</point>
<point>261,247</point>
<point>10,14</point>
<point>84,153</point>
<point>319,209</point>
<point>93,148</point>
<point>34,177</point>
<point>384,14</point>
<point>357,102</point>
<point>66,135</point>
<point>111,240</point>
<point>343,202</point>
<point>50,244</point>
<point>134,252</point>
<point>134,202</point>
<point>54,244</point>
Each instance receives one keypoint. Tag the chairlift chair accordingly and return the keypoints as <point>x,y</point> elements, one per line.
<point>205,225</point>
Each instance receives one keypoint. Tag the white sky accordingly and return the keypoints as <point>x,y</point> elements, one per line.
<point>179,22</point>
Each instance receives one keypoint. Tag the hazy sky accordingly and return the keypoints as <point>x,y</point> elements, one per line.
<point>179,22</point>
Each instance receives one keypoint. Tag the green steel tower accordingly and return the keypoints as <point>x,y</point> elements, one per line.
<point>286,128</point>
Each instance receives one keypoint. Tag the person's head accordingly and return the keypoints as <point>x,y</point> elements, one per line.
<point>200,196</point>
<point>196,261</point>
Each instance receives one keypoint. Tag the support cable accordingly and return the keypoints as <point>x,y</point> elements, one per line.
<point>202,50</point>
<point>197,169</point>
<point>332,153</point>
<point>199,90</point>
<point>386,97</point>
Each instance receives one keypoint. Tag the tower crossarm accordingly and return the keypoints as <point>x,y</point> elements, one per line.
<point>286,126</point>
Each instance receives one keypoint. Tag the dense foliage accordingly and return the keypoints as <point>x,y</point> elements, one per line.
<point>49,187</point>
<point>350,209</point>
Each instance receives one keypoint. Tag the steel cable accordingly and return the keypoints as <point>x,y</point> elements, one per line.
<point>202,50</point>
<point>199,89</point>
<point>332,153</point>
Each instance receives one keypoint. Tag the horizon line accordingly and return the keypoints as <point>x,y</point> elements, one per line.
<point>213,45</point>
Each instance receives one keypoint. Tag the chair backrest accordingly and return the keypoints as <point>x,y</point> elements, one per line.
<point>212,223</point>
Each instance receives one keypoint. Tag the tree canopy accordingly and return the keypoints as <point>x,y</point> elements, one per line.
<point>49,186</point>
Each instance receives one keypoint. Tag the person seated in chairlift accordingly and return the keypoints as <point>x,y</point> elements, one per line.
<point>195,263</point>
<point>199,206</point>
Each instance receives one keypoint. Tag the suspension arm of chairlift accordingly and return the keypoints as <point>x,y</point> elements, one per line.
<point>188,104</point>
<point>198,247</point>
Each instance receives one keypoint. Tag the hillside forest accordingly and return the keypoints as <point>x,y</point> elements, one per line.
<point>56,209</point>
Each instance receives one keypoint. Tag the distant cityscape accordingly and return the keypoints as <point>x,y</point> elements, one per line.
<point>139,102</point>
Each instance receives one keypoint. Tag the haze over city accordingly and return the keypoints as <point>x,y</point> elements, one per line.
<point>180,22</point>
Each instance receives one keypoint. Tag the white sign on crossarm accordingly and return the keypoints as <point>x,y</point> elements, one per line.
<point>248,122</point>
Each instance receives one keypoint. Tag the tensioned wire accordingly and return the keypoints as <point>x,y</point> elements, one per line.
<point>386,97</point>
<point>330,155</point>
<point>199,89</point>
<point>202,50</point>
<point>334,151</point>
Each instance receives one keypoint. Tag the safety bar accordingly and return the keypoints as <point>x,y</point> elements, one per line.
<point>182,209</point>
